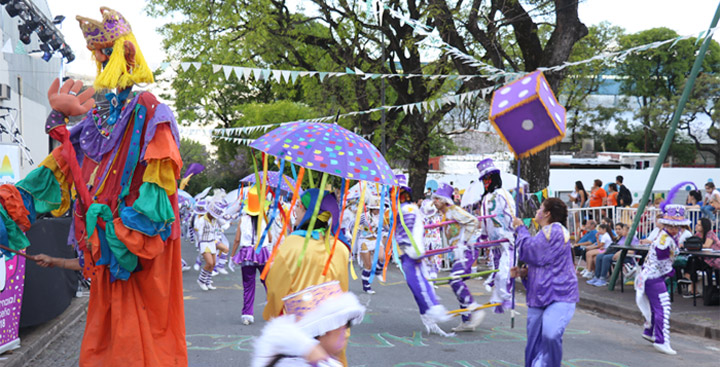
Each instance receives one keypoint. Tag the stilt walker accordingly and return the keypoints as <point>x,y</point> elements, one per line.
<point>458,234</point>
<point>251,262</point>
<point>409,236</point>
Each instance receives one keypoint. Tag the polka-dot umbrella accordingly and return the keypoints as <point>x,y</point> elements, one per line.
<point>328,148</point>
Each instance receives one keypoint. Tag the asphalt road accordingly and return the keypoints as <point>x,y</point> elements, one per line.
<point>392,335</point>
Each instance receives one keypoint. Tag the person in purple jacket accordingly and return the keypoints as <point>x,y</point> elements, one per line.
<point>550,280</point>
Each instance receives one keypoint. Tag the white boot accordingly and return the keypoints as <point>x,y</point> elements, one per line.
<point>247,319</point>
<point>477,316</point>
<point>664,348</point>
<point>438,313</point>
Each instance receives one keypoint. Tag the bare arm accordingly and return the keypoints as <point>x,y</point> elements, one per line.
<point>46,261</point>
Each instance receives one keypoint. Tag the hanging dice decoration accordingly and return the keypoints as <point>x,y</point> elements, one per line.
<point>527,115</point>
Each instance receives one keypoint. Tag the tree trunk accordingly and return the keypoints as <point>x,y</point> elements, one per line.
<point>535,169</point>
<point>419,156</point>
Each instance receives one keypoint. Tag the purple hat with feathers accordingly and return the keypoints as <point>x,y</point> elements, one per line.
<point>402,182</point>
<point>193,169</point>
<point>674,214</point>
<point>486,167</point>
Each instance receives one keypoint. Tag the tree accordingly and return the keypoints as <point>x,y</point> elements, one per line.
<point>583,119</point>
<point>655,78</point>
<point>704,102</point>
<point>338,34</point>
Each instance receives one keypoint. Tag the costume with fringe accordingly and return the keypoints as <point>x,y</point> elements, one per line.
<point>459,234</point>
<point>431,311</point>
<point>500,204</point>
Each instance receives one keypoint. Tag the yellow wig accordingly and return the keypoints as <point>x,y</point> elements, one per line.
<point>117,73</point>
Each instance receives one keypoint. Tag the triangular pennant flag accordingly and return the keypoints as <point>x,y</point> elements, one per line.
<point>285,75</point>
<point>257,73</point>
<point>266,73</point>
<point>163,65</point>
<point>247,73</point>
<point>322,75</point>
<point>20,48</point>
<point>8,47</point>
<point>359,72</point>
<point>405,108</point>
<point>306,73</point>
<point>185,66</point>
<point>294,75</point>
<point>238,70</point>
<point>227,70</point>
<point>216,68</point>
<point>277,76</point>
<point>196,65</point>
<point>349,71</point>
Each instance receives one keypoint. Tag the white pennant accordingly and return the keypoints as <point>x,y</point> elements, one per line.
<point>227,70</point>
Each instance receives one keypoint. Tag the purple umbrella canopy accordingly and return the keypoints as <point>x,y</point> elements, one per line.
<point>328,148</point>
<point>288,184</point>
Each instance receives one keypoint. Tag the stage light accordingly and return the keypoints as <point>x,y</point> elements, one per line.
<point>32,21</point>
<point>15,8</point>
<point>3,2</point>
<point>58,19</point>
<point>55,43</point>
<point>47,56</point>
<point>45,33</point>
<point>67,54</point>
<point>25,33</point>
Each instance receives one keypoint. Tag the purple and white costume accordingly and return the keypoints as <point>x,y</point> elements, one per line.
<point>502,205</point>
<point>552,291</point>
<point>251,262</point>
<point>651,293</point>
<point>431,311</point>
<point>459,234</point>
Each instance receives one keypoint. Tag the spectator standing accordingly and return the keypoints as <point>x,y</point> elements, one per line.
<point>582,195</point>
<point>624,197</point>
<point>711,202</point>
<point>612,199</point>
<point>598,196</point>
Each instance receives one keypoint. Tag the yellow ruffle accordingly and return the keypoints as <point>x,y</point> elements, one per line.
<point>50,163</point>
<point>162,173</point>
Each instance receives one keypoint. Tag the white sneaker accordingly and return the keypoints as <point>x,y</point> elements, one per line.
<point>370,291</point>
<point>214,273</point>
<point>210,286</point>
<point>464,326</point>
<point>231,266</point>
<point>248,319</point>
<point>202,285</point>
<point>589,275</point>
<point>196,267</point>
<point>664,348</point>
<point>223,271</point>
<point>186,267</point>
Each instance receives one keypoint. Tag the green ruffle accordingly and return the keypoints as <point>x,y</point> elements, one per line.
<point>44,188</point>
<point>17,239</point>
<point>125,258</point>
<point>154,203</point>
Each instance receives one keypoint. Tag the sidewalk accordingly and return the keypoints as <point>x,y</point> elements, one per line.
<point>34,339</point>
<point>703,321</point>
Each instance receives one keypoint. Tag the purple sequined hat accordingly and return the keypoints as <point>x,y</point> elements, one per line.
<point>445,192</point>
<point>486,167</point>
<point>674,215</point>
<point>217,208</point>
<point>402,182</point>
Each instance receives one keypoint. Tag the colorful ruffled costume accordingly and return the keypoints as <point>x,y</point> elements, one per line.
<point>125,160</point>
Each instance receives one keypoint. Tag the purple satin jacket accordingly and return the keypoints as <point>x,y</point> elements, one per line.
<point>551,273</point>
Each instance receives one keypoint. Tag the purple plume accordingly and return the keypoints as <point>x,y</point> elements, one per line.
<point>671,194</point>
<point>194,168</point>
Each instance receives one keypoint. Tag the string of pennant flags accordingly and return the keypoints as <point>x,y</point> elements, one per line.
<point>419,107</point>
